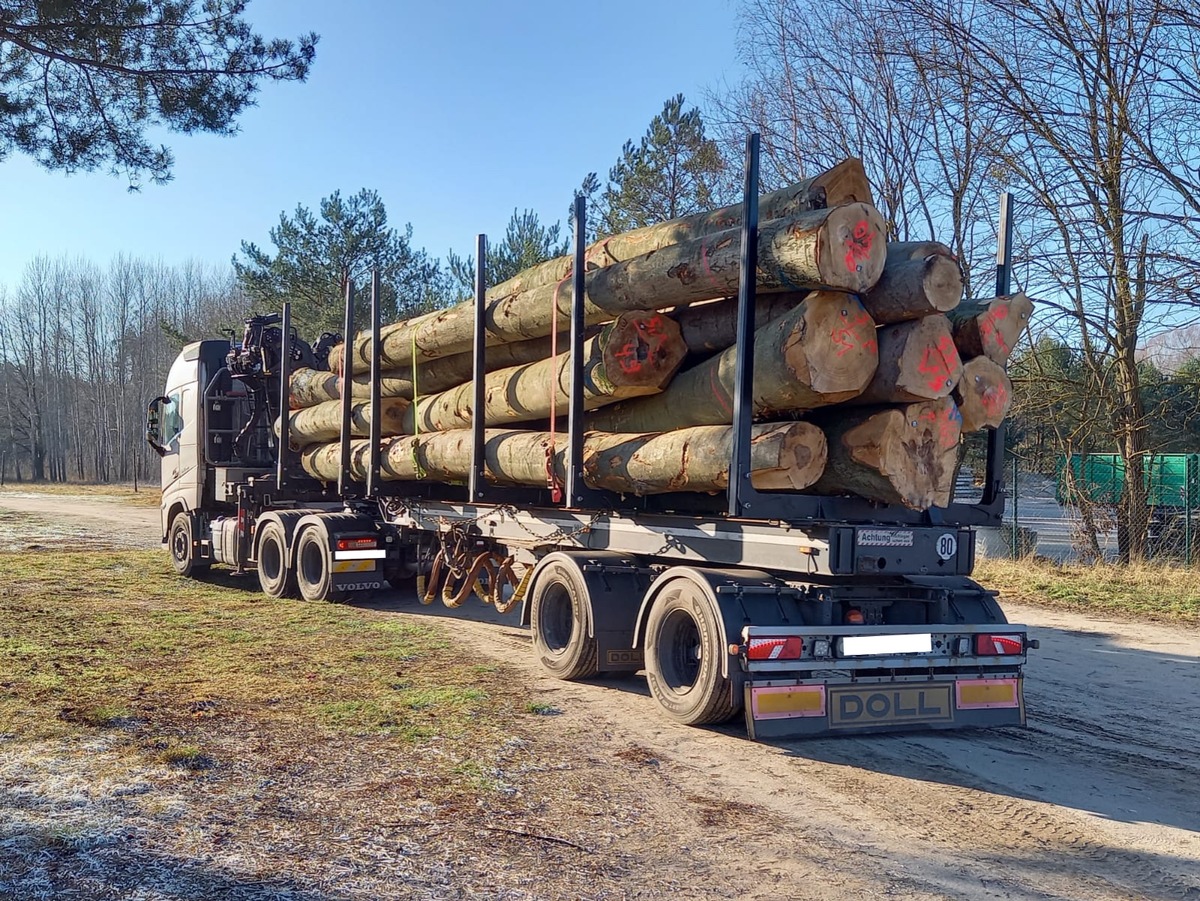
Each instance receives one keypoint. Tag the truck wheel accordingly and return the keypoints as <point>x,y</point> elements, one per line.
<point>558,617</point>
<point>685,644</point>
<point>274,576</point>
<point>313,559</point>
<point>182,542</point>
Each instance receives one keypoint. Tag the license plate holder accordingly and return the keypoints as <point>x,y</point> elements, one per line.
<point>893,704</point>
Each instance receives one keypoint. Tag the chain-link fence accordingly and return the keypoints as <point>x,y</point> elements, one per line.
<point>1073,513</point>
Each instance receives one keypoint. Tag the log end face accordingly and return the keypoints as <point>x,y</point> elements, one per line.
<point>845,183</point>
<point>852,248</point>
<point>943,282</point>
<point>919,459</point>
<point>929,365</point>
<point>984,394</point>
<point>643,350</point>
<point>801,458</point>
<point>832,346</point>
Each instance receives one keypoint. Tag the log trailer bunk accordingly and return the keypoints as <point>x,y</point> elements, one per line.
<point>816,615</point>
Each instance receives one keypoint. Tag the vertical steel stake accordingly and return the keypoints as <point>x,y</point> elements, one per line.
<point>376,431</point>
<point>283,456</point>
<point>993,486</point>
<point>344,484</point>
<point>743,391</point>
<point>479,372</point>
<point>574,483</point>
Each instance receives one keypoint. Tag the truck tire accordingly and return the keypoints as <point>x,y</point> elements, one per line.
<point>181,541</point>
<point>558,618</point>
<point>313,559</point>
<point>275,577</point>
<point>685,645</point>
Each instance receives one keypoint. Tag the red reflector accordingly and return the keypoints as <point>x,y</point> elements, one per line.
<point>998,645</point>
<point>355,544</point>
<point>774,648</point>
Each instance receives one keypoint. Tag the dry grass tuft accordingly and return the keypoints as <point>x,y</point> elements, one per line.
<point>1142,591</point>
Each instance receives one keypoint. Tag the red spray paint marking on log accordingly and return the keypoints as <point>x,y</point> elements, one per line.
<point>851,335</point>
<point>858,245</point>
<point>938,362</point>
<point>988,330</point>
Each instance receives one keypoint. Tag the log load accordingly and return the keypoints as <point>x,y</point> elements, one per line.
<point>899,455</point>
<point>841,248</point>
<point>917,361</point>
<point>323,422</point>
<point>783,456</point>
<point>821,352</point>
<point>844,183</point>
<point>711,327</point>
<point>314,386</point>
<point>919,279</point>
<point>983,394</point>
<point>991,328</point>
<point>634,355</point>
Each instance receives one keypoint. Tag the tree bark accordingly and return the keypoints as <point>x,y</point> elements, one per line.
<point>991,328</point>
<point>898,455</point>
<point>919,279</point>
<point>822,352</point>
<point>917,361</point>
<point>783,456</point>
<point>983,394</point>
<point>844,183</point>
<point>711,327</point>
<point>314,425</point>
<point>313,386</point>
<point>632,356</point>
<point>841,248</point>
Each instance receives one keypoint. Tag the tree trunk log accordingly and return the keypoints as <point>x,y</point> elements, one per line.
<point>917,361</point>
<point>632,356</point>
<point>312,386</point>
<point>822,352</point>
<point>314,425</point>
<point>844,183</point>
<point>841,248</point>
<point>991,328</point>
<point>898,455</point>
<point>918,280</point>
<point>783,456</point>
<point>983,395</point>
<point>711,327</point>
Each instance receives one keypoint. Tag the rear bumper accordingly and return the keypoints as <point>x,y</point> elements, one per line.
<point>791,708</point>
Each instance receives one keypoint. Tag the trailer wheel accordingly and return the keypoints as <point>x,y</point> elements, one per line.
<point>275,578</point>
<point>313,575</point>
<point>181,540</point>
<point>558,618</point>
<point>684,649</point>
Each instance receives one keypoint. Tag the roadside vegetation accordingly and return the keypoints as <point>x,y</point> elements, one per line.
<point>1141,591</point>
<point>142,496</point>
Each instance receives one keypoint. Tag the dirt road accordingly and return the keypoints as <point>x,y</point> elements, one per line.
<point>1098,799</point>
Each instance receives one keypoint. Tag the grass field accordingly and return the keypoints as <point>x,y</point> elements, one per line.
<point>1140,591</point>
<point>144,496</point>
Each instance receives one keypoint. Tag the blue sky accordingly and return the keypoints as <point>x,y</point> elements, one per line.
<point>455,111</point>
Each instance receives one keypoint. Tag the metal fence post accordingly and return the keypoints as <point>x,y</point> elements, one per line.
<point>1189,478</point>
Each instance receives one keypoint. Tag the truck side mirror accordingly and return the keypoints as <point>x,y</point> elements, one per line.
<point>153,430</point>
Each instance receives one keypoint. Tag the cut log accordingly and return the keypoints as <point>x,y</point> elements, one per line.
<point>822,352</point>
<point>312,386</point>
<point>917,361</point>
<point>711,327</point>
<point>991,328</point>
<point>844,183</point>
<point>783,456</point>
<point>841,248</point>
<point>323,422</point>
<point>983,394</point>
<point>634,355</point>
<point>918,280</point>
<point>897,455</point>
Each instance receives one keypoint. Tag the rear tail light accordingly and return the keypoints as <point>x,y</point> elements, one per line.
<point>774,648</point>
<point>356,544</point>
<point>998,645</point>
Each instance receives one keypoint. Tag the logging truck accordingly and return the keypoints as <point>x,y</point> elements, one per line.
<point>812,613</point>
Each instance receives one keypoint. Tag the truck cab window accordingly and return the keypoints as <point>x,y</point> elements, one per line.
<point>172,418</point>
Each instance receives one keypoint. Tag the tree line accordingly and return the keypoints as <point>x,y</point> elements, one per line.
<point>1085,110</point>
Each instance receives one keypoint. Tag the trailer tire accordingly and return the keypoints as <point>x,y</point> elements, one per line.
<point>181,541</point>
<point>685,644</point>
<point>314,577</point>
<point>558,618</point>
<point>275,577</point>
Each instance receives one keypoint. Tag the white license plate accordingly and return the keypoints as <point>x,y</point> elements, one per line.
<point>871,645</point>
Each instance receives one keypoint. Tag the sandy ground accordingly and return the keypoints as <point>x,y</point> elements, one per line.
<point>1098,799</point>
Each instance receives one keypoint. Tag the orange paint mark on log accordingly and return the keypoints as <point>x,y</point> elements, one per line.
<point>938,362</point>
<point>852,333</point>
<point>627,358</point>
<point>994,399</point>
<point>988,330</point>
<point>946,425</point>
<point>858,245</point>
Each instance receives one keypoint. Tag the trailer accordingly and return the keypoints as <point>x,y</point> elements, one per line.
<point>810,615</point>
